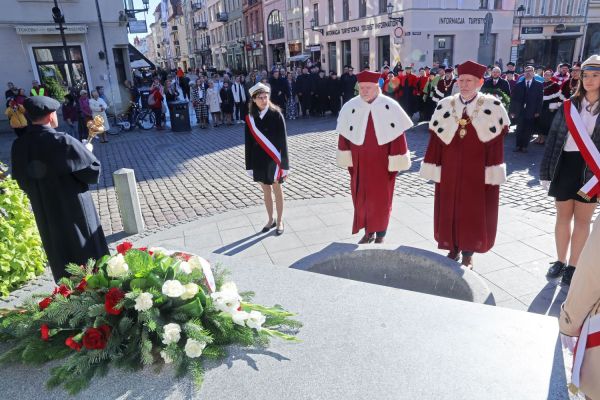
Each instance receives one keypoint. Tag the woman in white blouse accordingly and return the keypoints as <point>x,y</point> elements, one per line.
<point>565,171</point>
<point>98,107</point>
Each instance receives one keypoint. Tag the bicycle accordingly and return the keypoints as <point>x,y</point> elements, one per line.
<point>137,116</point>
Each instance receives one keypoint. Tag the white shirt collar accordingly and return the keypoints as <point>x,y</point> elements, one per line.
<point>263,112</point>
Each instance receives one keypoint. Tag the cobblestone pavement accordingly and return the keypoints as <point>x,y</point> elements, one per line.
<point>182,176</point>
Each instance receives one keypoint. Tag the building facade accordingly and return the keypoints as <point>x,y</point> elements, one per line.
<point>283,24</point>
<point>200,35</point>
<point>592,30</point>
<point>252,15</point>
<point>29,36</point>
<point>360,33</point>
<point>548,32</point>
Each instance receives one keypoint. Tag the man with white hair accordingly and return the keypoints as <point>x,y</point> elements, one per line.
<point>372,145</point>
<point>465,159</point>
<point>495,83</point>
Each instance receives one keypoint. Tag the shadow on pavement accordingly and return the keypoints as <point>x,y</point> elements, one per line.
<point>549,300</point>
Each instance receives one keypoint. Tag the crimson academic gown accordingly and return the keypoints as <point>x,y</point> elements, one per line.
<point>467,173</point>
<point>371,182</point>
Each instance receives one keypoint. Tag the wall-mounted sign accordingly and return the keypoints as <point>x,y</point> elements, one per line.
<point>526,30</point>
<point>315,48</point>
<point>363,28</point>
<point>50,29</point>
<point>398,32</point>
<point>461,21</point>
<point>138,27</point>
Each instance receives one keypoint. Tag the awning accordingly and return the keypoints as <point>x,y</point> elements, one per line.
<point>138,60</point>
<point>299,57</point>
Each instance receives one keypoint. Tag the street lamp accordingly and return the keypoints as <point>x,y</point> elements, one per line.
<point>59,18</point>
<point>390,8</point>
<point>520,12</point>
<point>313,26</point>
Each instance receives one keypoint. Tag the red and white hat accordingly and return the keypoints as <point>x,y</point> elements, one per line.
<point>368,77</point>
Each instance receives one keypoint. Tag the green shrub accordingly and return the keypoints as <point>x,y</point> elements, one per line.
<point>21,254</point>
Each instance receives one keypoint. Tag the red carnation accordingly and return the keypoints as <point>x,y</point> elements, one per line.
<point>96,338</point>
<point>73,344</point>
<point>112,298</point>
<point>45,303</point>
<point>185,256</point>
<point>124,247</point>
<point>63,290</point>
<point>45,331</point>
<point>82,285</point>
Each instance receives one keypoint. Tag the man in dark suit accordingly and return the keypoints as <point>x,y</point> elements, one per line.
<point>495,82</point>
<point>525,107</point>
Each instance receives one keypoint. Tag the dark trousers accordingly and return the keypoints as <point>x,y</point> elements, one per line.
<point>525,127</point>
<point>158,116</point>
<point>335,105</point>
<point>305,103</point>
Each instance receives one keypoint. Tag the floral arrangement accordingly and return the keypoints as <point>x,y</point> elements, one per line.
<point>499,94</point>
<point>22,256</point>
<point>137,308</point>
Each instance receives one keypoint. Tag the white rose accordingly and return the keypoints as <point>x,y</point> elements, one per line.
<point>171,333</point>
<point>117,267</point>
<point>227,301</point>
<point>240,317</point>
<point>173,288</point>
<point>191,290</point>
<point>229,287</point>
<point>255,320</point>
<point>193,348</point>
<point>143,302</point>
<point>165,357</point>
<point>198,262</point>
<point>185,267</point>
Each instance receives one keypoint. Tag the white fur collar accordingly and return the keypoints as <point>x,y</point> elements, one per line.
<point>491,117</point>
<point>389,119</point>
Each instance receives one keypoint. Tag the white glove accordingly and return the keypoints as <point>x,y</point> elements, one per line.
<point>89,146</point>
<point>545,185</point>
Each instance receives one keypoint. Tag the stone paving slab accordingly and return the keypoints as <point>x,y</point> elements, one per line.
<point>515,269</point>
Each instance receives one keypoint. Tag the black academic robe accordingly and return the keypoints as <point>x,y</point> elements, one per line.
<point>259,164</point>
<point>54,170</point>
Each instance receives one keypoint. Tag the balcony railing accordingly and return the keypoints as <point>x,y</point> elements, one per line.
<point>222,17</point>
<point>200,25</point>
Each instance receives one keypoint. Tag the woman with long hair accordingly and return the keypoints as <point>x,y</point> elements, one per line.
<point>566,169</point>
<point>266,152</point>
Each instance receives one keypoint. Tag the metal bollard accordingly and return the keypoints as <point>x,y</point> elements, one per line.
<point>129,202</point>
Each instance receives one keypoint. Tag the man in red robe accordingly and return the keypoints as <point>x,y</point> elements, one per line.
<point>465,159</point>
<point>373,147</point>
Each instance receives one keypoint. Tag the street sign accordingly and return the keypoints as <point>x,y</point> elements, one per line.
<point>399,32</point>
<point>138,27</point>
<point>514,53</point>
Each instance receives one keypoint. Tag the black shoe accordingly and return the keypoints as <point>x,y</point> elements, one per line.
<point>556,270</point>
<point>267,228</point>
<point>567,275</point>
<point>280,230</point>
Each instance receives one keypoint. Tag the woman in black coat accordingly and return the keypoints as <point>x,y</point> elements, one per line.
<point>266,151</point>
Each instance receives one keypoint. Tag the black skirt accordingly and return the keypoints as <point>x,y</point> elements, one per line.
<point>569,178</point>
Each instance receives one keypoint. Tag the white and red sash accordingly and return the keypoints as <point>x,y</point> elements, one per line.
<point>588,338</point>
<point>586,147</point>
<point>268,147</point>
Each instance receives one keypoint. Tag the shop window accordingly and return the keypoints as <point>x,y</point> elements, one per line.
<point>383,50</point>
<point>52,66</point>
<point>442,50</point>
<point>363,53</point>
<point>332,49</point>
<point>347,52</point>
